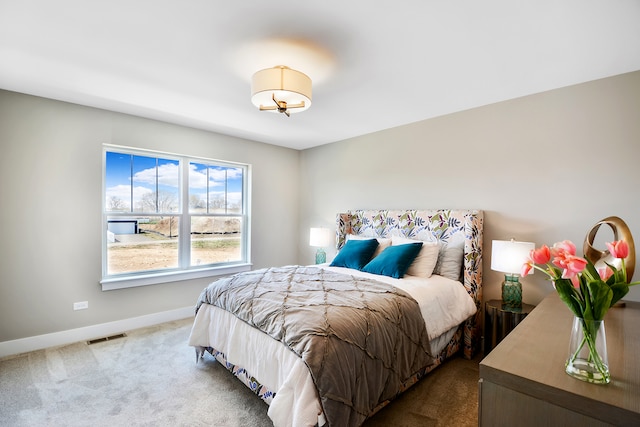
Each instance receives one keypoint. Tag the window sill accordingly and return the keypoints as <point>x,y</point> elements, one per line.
<point>174,276</point>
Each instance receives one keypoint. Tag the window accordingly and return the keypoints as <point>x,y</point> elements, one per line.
<point>169,217</point>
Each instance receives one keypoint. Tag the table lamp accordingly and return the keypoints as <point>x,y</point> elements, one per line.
<point>508,256</point>
<point>320,238</point>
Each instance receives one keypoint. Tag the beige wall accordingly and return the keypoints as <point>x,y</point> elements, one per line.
<point>51,175</point>
<point>544,168</point>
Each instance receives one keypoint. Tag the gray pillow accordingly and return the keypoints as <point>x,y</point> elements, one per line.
<point>449,263</point>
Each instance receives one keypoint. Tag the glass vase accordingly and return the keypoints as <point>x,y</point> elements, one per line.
<point>588,359</point>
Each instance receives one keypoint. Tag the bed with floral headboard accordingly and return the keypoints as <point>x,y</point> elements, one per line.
<point>443,225</point>
<point>333,344</point>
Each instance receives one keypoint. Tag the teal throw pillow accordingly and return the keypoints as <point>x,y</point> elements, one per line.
<point>355,254</point>
<point>394,261</point>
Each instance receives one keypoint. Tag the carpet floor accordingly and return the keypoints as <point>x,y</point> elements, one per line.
<point>149,378</point>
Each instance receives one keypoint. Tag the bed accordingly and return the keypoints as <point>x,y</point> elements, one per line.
<point>293,336</point>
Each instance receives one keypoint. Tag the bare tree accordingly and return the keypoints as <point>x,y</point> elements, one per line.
<point>196,202</point>
<point>159,202</point>
<point>116,204</point>
<point>216,202</point>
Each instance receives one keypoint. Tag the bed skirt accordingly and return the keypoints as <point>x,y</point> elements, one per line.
<point>267,395</point>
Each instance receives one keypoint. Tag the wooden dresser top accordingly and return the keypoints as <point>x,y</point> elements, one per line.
<point>531,360</point>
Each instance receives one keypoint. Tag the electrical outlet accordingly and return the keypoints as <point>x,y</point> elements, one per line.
<point>82,305</point>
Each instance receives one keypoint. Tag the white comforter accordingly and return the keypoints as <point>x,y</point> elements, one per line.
<point>443,303</point>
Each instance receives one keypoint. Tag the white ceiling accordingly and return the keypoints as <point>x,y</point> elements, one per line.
<point>376,65</point>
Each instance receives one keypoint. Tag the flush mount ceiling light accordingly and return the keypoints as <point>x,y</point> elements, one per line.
<point>281,90</point>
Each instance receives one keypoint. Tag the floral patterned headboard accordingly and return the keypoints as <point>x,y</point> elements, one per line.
<point>442,225</point>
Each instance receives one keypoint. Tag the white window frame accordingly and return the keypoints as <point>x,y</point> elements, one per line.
<point>184,271</point>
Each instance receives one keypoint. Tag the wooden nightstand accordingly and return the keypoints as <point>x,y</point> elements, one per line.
<point>499,320</point>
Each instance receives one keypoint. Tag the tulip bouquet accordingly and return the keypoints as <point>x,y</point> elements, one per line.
<point>589,293</point>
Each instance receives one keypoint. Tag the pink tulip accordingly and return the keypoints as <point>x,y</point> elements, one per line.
<point>570,264</point>
<point>542,255</point>
<point>577,264</point>
<point>575,281</point>
<point>564,246</point>
<point>605,273</point>
<point>526,268</point>
<point>560,259</point>
<point>618,249</point>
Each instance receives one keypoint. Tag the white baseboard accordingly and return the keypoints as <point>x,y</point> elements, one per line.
<point>39,342</point>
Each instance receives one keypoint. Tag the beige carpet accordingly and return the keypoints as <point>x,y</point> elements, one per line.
<point>149,378</point>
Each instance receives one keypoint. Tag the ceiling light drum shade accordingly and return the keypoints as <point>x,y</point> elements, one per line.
<point>508,256</point>
<point>283,83</point>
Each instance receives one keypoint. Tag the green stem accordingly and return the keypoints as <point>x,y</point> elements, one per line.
<point>590,335</point>
<point>575,354</point>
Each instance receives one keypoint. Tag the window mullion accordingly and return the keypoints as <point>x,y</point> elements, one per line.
<point>157,190</point>
<point>131,180</point>
<point>207,189</point>
<point>184,241</point>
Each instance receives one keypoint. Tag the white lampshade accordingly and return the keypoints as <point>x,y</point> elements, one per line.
<point>283,83</point>
<point>320,237</point>
<point>508,256</point>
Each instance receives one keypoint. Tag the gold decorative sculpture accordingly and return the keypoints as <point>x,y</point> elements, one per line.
<point>620,232</point>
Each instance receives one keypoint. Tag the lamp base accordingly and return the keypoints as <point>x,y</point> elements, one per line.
<point>511,291</point>
<point>321,256</point>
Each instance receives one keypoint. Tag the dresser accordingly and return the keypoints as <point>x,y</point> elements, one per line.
<point>523,383</point>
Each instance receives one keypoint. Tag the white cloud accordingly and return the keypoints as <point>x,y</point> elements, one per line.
<point>198,178</point>
<point>122,192</point>
<point>167,175</point>
<point>222,174</point>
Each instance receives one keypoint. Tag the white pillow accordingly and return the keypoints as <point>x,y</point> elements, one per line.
<point>426,260</point>
<point>383,243</point>
<point>449,263</point>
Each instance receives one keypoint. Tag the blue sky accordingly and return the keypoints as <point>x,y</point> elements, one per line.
<point>136,175</point>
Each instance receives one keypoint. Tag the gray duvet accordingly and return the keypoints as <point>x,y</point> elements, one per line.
<point>361,339</point>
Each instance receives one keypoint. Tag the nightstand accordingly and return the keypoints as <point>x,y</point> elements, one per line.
<point>499,320</point>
